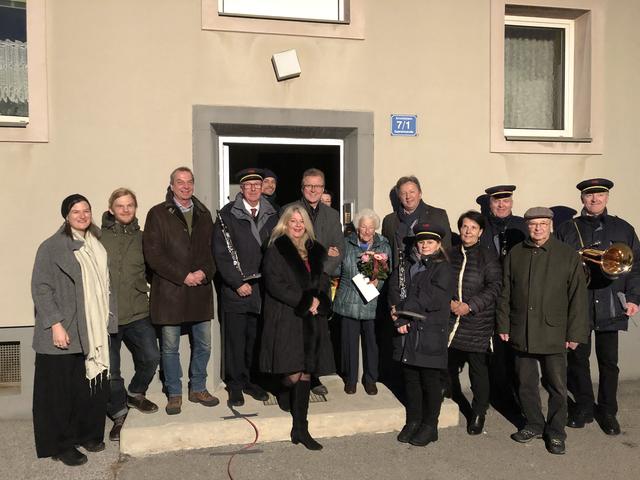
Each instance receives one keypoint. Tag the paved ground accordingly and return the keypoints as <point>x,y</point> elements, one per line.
<point>590,454</point>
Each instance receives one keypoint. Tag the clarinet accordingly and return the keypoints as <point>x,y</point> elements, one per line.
<point>402,281</point>
<point>232,250</point>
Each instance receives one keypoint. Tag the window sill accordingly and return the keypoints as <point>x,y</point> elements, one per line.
<point>519,138</point>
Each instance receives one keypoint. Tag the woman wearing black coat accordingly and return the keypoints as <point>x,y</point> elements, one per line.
<point>295,339</point>
<point>421,346</point>
<point>478,279</point>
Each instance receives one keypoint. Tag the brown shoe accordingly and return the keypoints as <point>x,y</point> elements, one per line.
<point>174,405</point>
<point>204,398</point>
<point>114,434</point>
<point>350,388</point>
<point>140,402</point>
<point>371,388</point>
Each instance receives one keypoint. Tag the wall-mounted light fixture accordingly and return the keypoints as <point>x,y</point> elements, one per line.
<point>286,65</point>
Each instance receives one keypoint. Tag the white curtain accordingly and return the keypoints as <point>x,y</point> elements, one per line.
<point>533,88</point>
<point>13,71</point>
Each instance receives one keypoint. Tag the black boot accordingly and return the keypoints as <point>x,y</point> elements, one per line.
<point>299,409</point>
<point>424,436</point>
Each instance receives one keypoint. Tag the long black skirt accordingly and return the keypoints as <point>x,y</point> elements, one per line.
<point>68,410</point>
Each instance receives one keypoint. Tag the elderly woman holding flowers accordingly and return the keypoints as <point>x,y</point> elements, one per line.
<point>366,253</point>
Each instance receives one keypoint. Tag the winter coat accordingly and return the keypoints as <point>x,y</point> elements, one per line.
<point>398,235</point>
<point>429,293</point>
<point>328,232</point>
<point>478,275</point>
<point>58,296</point>
<point>606,312</point>
<point>172,254</point>
<point>501,234</point>
<point>123,244</point>
<point>544,298</point>
<point>293,340</point>
<point>348,301</point>
<point>247,236</point>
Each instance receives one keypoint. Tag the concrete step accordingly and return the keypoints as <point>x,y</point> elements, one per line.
<point>335,415</point>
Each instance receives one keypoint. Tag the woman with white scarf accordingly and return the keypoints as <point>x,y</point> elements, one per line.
<point>74,314</point>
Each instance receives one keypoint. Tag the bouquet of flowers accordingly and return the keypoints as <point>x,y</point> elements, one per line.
<point>374,265</point>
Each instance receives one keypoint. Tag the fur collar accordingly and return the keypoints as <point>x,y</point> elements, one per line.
<point>317,255</point>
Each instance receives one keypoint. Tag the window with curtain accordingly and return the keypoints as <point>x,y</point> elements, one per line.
<point>310,10</point>
<point>14,92</point>
<point>537,77</point>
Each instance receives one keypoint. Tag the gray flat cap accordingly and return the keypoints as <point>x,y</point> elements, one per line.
<point>538,212</point>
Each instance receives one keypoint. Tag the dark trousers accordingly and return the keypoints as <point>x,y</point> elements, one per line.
<point>554,380</point>
<point>140,338</point>
<point>579,374</point>
<point>478,375</point>
<point>68,409</point>
<point>240,331</point>
<point>503,378</point>
<point>350,339</point>
<point>424,394</point>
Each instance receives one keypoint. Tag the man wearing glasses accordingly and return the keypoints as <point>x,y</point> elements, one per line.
<point>242,227</point>
<point>542,314</point>
<point>328,231</point>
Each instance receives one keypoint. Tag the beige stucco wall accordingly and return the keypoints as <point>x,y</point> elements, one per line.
<point>123,77</point>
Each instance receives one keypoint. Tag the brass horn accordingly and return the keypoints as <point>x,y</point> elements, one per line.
<point>614,261</point>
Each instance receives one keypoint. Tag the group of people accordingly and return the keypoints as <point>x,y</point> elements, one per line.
<point>505,296</point>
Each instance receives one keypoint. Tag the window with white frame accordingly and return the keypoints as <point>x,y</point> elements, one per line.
<point>306,10</point>
<point>14,92</point>
<point>538,76</point>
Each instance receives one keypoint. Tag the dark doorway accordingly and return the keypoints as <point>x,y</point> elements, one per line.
<point>288,162</point>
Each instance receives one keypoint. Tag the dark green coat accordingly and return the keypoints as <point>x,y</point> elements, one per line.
<point>544,298</point>
<point>123,244</point>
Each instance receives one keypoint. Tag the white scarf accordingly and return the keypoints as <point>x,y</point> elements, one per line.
<point>92,258</point>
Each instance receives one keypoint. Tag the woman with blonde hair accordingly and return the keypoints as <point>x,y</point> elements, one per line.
<point>295,338</point>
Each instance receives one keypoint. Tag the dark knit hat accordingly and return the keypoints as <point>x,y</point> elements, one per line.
<point>500,191</point>
<point>428,231</point>
<point>266,173</point>
<point>249,174</point>
<point>70,201</point>
<point>595,185</point>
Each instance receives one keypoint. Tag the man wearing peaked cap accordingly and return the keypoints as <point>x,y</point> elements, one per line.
<point>611,302</point>
<point>502,231</point>
<point>242,227</point>
<point>541,313</point>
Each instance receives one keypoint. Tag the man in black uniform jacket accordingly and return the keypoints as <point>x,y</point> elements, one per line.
<point>249,220</point>
<point>611,303</point>
<point>503,230</point>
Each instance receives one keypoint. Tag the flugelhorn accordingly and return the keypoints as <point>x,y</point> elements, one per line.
<point>614,261</point>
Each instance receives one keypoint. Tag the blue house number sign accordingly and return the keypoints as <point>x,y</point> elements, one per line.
<point>404,125</point>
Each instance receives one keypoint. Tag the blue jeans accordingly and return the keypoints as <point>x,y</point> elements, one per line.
<point>200,352</point>
<point>140,339</point>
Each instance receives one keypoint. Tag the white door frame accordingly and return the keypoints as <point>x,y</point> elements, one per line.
<point>223,149</point>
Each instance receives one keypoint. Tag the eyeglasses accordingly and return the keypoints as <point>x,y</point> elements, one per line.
<point>252,186</point>
<point>313,187</point>
<point>534,225</point>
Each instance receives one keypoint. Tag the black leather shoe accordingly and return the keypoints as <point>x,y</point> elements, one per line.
<point>475,425</point>
<point>256,392</point>
<point>408,431</point>
<point>114,434</point>
<point>424,436</point>
<point>350,388</point>
<point>93,446</point>
<point>579,419</point>
<point>236,399</point>
<point>525,436</point>
<point>609,424</point>
<point>320,390</point>
<point>140,402</point>
<point>71,457</point>
<point>555,446</point>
